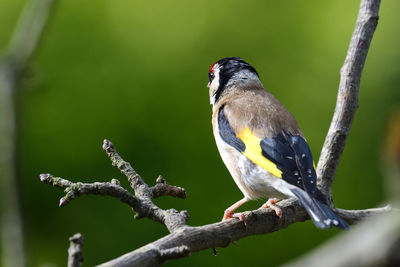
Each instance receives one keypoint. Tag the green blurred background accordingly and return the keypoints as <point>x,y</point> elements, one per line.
<point>135,72</point>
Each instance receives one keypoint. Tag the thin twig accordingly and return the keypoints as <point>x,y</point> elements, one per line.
<point>74,190</point>
<point>141,202</point>
<point>138,185</point>
<point>162,188</point>
<point>347,99</point>
<point>171,218</point>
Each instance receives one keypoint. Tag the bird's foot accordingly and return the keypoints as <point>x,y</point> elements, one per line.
<point>271,204</point>
<point>228,214</point>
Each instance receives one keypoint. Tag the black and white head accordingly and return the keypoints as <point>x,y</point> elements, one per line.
<point>228,73</point>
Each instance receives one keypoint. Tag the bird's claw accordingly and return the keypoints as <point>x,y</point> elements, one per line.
<point>230,214</point>
<point>271,204</point>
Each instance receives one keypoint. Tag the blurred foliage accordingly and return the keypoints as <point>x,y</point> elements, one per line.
<point>135,72</point>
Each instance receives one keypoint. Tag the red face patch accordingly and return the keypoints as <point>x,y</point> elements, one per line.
<point>211,68</point>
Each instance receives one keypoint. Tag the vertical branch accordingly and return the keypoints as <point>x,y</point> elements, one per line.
<point>21,48</point>
<point>347,99</point>
<point>75,257</point>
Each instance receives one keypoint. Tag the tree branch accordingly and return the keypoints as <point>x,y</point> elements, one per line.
<point>74,190</point>
<point>23,45</point>
<point>347,99</point>
<point>183,239</point>
<point>221,234</point>
<point>162,188</point>
<point>75,257</point>
<point>141,202</point>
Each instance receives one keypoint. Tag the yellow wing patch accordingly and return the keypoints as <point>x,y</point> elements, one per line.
<point>253,152</point>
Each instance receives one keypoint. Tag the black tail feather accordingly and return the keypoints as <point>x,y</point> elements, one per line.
<point>321,214</point>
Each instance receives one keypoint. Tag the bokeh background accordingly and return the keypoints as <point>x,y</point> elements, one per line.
<point>135,72</point>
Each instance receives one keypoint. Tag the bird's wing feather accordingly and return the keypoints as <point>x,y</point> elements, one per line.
<point>286,156</point>
<point>292,155</point>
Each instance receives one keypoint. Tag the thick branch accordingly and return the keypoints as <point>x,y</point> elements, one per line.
<point>75,257</point>
<point>347,100</point>
<point>221,234</point>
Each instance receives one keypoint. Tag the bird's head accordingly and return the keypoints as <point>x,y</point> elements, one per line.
<point>228,73</point>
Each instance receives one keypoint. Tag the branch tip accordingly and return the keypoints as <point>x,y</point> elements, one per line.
<point>62,202</point>
<point>160,180</point>
<point>76,238</point>
<point>44,177</point>
<point>115,181</point>
<point>75,257</point>
<point>108,146</point>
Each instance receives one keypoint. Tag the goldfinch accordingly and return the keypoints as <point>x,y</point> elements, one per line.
<point>262,145</point>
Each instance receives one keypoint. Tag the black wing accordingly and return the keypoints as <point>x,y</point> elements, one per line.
<point>292,156</point>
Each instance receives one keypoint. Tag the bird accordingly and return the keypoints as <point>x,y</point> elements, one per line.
<point>262,145</point>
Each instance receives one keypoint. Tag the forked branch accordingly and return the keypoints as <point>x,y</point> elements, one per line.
<point>183,239</point>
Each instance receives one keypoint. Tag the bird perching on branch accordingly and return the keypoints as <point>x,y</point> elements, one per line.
<point>262,145</point>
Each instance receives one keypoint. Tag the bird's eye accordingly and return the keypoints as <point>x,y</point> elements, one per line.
<point>211,76</point>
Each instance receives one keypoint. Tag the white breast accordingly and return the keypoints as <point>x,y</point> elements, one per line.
<point>253,180</point>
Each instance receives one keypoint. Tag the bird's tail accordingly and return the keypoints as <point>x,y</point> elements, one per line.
<point>321,214</point>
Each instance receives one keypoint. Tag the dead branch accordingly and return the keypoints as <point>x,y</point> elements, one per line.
<point>73,190</point>
<point>183,239</point>
<point>347,99</point>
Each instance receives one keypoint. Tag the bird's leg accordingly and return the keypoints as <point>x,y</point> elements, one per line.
<point>271,204</point>
<point>230,212</point>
